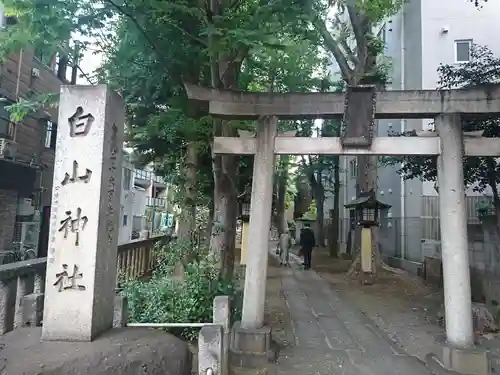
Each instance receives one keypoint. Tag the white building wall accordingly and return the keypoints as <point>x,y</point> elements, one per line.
<point>463,22</point>
<point>139,203</point>
<point>443,23</point>
<point>417,45</point>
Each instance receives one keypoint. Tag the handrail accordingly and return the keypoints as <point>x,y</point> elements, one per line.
<point>25,267</point>
<point>134,244</point>
<point>25,281</point>
<point>171,325</point>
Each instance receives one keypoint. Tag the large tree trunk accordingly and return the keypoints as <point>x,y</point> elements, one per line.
<point>367,180</point>
<point>224,73</point>
<point>222,241</point>
<point>334,230</point>
<point>319,197</point>
<point>186,234</point>
<point>491,163</point>
<point>210,224</point>
<point>303,199</point>
<point>187,220</point>
<point>282,185</point>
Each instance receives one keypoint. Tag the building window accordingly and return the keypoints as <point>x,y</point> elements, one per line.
<point>127,176</point>
<point>463,50</point>
<point>353,168</point>
<point>6,126</point>
<point>125,220</point>
<point>50,134</point>
<point>45,57</point>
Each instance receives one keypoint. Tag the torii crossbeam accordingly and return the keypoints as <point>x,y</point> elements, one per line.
<point>447,107</point>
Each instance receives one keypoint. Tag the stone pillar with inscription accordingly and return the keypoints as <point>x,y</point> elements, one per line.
<point>81,264</point>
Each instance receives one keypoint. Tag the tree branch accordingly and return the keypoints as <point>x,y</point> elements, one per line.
<point>348,52</point>
<point>143,32</point>
<point>137,24</point>
<point>333,47</point>
<point>359,30</point>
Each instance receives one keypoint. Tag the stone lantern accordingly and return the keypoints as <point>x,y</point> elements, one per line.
<point>365,213</point>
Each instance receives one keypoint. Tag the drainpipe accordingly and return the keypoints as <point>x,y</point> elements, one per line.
<point>403,183</point>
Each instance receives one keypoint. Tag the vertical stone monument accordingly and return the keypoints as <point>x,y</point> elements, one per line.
<point>81,263</point>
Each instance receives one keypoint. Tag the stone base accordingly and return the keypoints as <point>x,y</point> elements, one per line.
<point>116,352</point>
<point>32,309</point>
<point>255,340</point>
<point>366,278</point>
<point>471,361</point>
<point>252,351</point>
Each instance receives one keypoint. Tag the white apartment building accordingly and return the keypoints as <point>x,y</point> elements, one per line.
<point>144,207</point>
<point>425,34</point>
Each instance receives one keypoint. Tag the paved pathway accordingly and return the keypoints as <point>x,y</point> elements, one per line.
<point>333,337</point>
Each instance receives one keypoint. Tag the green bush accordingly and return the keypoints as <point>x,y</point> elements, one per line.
<point>167,299</point>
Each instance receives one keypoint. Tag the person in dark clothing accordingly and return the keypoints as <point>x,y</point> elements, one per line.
<point>307,242</point>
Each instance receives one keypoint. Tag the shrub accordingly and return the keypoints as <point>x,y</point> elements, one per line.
<point>166,298</point>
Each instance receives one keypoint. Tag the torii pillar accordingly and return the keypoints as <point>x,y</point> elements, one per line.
<point>250,335</point>
<point>453,223</point>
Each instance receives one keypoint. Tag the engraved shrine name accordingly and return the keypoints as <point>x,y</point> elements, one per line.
<point>79,126</point>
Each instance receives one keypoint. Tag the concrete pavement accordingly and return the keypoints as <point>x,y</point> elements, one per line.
<point>331,336</point>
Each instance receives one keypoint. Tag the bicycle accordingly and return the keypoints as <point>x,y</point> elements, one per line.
<point>26,253</point>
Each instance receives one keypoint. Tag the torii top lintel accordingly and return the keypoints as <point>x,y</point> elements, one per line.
<point>233,104</point>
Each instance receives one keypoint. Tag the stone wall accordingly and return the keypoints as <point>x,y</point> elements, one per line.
<point>8,208</point>
<point>484,261</point>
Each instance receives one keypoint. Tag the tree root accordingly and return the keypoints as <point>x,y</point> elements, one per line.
<point>381,264</point>
<point>354,265</point>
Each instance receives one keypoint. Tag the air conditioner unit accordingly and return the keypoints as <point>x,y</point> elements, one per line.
<point>35,73</point>
<point>25,207</point>
<point>7,149</point>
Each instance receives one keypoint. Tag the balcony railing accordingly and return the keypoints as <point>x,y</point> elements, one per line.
<point>148,176</point>
<point>22,283</point>
<point>156,202</point>
<point>7,129</point>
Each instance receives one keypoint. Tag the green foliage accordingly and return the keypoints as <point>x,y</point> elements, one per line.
<point>168,43</point>
<point>484,207</point>
<point>48,24</point>
<point>19,110</point>
<point>167,299</point>
<point>291,188</point>
<point>379,10</point>
<point>481,172</point>
<point>311,213</point>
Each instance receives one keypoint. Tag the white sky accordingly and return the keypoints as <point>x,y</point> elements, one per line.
<point>90,62</point>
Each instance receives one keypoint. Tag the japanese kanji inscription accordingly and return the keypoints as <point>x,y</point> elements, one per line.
<point>83,234</point>
<point>66,281</point>
<point>79,124</point>
<point>74,175</point>
<point>75,225</point>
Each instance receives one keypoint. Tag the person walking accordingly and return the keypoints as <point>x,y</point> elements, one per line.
<point>307,243</point>
<point>285,244</point>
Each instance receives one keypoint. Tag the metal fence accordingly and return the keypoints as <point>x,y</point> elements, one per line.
<point>410,237</point>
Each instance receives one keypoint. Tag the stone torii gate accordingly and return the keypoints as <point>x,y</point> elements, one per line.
<point>446,107</point>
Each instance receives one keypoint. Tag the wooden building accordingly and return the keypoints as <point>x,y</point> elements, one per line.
<point>27,151</point>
